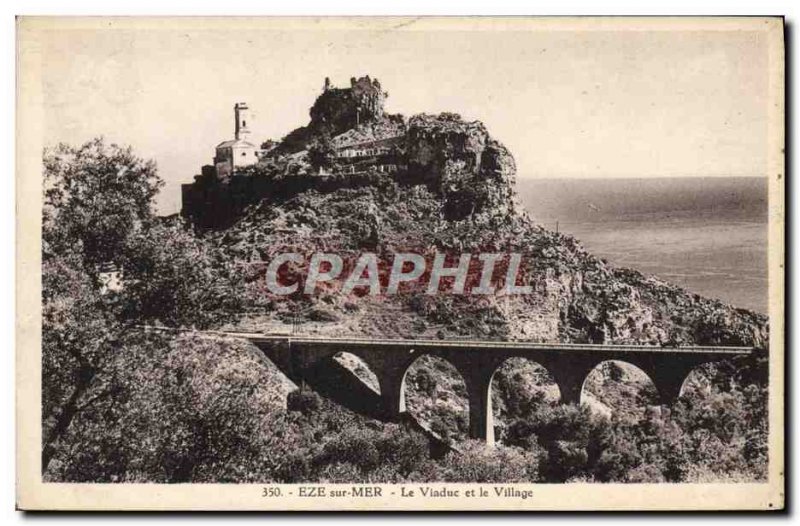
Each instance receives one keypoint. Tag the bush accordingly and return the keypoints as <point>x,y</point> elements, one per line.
<point>477,463</point>
<point>403,449</point>
<point>354,446</point>
<point>549,423</point>
<point>295,467</point>
<point>305,402</point>
<point>449,425</point>
<point>340,473</point>
<point>425,381</point>
<point>565,460</point>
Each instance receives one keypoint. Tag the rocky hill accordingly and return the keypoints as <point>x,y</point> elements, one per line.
<point>450,189</point>
<point>124,405</point>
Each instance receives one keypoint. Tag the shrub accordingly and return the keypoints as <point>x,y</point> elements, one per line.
<point>477,463</point>
<point>354,446</point>
<point>405,450</point>
<point>565,460</point>
<point>448,424</point>
<point>340,473</point>
<point>295,467</point>
<point>425,381</point>
<point>305,402</point>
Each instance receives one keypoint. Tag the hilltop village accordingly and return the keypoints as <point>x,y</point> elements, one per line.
<point>356,179</point>
<point>350,140</point>
<point>349,133</point>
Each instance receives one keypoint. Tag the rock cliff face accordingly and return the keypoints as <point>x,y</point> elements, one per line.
<point>473,172</point>
<point>340,109</point>
<point>452,191</point>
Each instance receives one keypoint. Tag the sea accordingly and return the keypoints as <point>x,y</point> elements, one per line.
<point>706,234</point>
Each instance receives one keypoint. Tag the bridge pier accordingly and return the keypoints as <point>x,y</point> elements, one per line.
<point>569,374</point>
<point>481,418</point>
<point>393,396</point>
<point>669,379</point>
<point>570,389</point>
<point>477,369</point>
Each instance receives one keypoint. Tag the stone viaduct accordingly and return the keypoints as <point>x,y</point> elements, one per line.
<point>477,361</point>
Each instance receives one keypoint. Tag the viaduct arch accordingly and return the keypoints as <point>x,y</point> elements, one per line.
<point>476,361</point>
<point>366,374</point>
<point>636,371</point>
<point>533,365</point>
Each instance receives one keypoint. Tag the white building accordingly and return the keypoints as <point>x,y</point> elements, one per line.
<point>235,154</point>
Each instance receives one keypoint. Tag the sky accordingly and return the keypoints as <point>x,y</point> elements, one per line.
<point>568,103</point>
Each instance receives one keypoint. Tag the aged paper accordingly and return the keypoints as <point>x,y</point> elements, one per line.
<point>400,263</point>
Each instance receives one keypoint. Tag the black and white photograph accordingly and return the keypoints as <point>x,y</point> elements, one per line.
<point>400,263</point>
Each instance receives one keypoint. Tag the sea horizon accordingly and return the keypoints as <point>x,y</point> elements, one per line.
<point>706,234</point>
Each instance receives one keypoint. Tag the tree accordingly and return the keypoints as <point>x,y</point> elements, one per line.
<point>321,151</point>
<point>184,409</point>
<point>77,342</point>
<point>172,277</point>
<point>95,198</point>
<point>98,215</point>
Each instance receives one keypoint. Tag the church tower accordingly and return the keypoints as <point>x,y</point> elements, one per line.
<point>242,118</point>
<point>239,152</point>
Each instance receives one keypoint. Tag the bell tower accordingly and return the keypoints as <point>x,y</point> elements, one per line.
<point>242,113</point>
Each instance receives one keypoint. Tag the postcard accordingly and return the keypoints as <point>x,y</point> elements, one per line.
<point>394,263</point>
